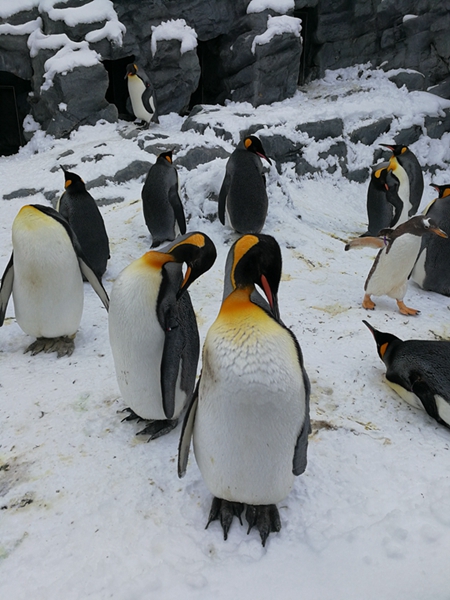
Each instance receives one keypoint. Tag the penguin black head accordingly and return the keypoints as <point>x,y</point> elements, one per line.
<point>253,144</point>
<point>383,340</point>
<point>420,225</point>
<point>397,149</point>
<point>73,181</point>
<point>197,250</point>
<point>165,156</point>
<point>256,259</point>
<point>132,69</point>
<point>442,190</point>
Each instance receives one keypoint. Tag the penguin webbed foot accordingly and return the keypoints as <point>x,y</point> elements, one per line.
<point>265,517</point>
<point>132,416</point>
<point>63,345</point>
<point>224,510</point>
<point>156,429</point>
<point>405,310</point>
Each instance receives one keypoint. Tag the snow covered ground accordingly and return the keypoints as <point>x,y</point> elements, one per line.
<point>89,510</point>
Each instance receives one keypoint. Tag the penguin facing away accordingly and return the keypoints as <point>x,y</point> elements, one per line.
<point>419,371</point>
<point>44,276</point>
<point>153,331</point>
<point>142,94</point>
<point>243,196</point>
<point>408,160</point>
<point>394,262</point>
<point>161,203</point>
<point>79,208</point>
<point>431,270</point>
<point>249,416</point>
<point>384,205</point>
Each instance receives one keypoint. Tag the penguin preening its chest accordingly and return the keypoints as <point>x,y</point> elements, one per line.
<point>44,276</point>
<point>142,94</point>
<point>249,416</point>
<point>431,271</point>
<point>394,262</point>
<point>419,371</point>
<point>384,206</point>
<point>161,203</point>
<point>408,160</point>
<point>79,208</point>
<point>243,196</point>
<point>153,331</point>
<point>403,192</point>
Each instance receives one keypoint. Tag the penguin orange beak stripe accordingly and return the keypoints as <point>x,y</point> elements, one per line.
<point>186,277</point>
<point>439,232</point>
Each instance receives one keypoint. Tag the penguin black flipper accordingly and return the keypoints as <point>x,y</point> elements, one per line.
<point>175,202</point>
<point>223,197</point>
<point>6,288</point>
<point>186,432</point>
<point>148,100</point>
<point>94,280</point>
<point>301,447</point>
<point>427,397</point>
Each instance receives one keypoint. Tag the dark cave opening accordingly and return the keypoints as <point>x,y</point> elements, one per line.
<point>13,109</point>
<point>210,89</point>
<point>117,92</point>
<point>307,68</point>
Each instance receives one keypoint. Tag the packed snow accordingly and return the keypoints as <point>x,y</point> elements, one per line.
<point>277,26</point>
<point>174,29</point>
<point>279,6</point>
<point>90,510</point>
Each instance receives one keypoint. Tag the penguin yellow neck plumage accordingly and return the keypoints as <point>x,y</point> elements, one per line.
<point>157,260</point>
<point>31,218</point>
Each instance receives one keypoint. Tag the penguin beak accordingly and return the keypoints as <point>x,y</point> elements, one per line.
<point>272,298</point>
<point>186,282</point>
<point>264,156</point>
<point>439,232</point>
<point>388,146</point>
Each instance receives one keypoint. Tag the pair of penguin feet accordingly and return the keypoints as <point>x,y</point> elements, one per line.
<point>265,517</point>
<point>63,345</point>
<point>369,304</point>
<point>154,429</point>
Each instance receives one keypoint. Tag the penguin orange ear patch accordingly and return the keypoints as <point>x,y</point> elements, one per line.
<point>168,159</point>
<point>68,182</point>
<point>247,142</point>
<point>446,193</point>
<point>383,349</point>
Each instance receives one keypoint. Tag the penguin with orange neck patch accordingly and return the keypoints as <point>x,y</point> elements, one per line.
<point>249,417</point>
<point>419,371</point>
<point>153,331</point>
<point>431,270</point>
<point>243,201</point>
<point>408,160</point>
<point>161,203</point>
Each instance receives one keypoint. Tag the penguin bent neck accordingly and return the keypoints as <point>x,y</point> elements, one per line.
<point>403,191</point>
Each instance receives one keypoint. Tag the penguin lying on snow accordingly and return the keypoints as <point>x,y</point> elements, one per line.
<point>81,211</point>
<point>243,196</point>
<point>142,94</point>
<point>408,160</point>
<point>161,203</point>
<point>44,276</point>
<point>249,416</point>
<point>384,205</point>
<point>419,371</point>
<point>153,331</point>
<point>394,262</point>
<point>431,271</point>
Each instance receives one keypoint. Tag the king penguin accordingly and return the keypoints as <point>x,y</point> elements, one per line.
<point>419,371</point>
<point>44,275</point>
<point>409,162</point>
<point>431,270</point>
<point>243,197</point>
<point>403,191</point>
<point>384,206</point>
<point>161,203</point>
<point>142,94</point>
<point>394,262</point>
<point>249,416</point>
<point>79,208</point>
<point>153,331</point>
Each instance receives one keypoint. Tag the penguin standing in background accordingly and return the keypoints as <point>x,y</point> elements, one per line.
<point>431,271</point>
<point>403,191</point>
<point>384,205</point>
<point>243,196</point>
<point>153,331</point>
<point>161,203</point>
<point>409,162</point>
<point>394,262</point>
<point>249,416</point>
<point>79,208</point>
<point>419,371</point>
<point>142,94</point>
<point>44,275</point>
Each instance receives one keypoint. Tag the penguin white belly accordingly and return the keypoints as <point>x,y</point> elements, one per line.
<point>48,286</point>
<point>137,342</point>
<point>390,276</point>
<point>418,274</point>
<point>406,395</point>
<point>443,408</point>
<point>136,88</point>
<point>250,412</point>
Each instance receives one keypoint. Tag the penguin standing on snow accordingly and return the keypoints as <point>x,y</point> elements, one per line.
<point>409,162</point>
<point>161,203</point>
<point>249,416</point>
<point>44,275</point>
<point>431,270</point>
<point>142,94</point>
<point>153,331</point>
<point>419,371</point>
<point>79,208</point>
<point>394,262</point>
<point>403,191</point>
<point>243,196</point>
<point>384,205</point>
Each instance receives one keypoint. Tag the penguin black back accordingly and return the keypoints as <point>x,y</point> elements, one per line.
<point>409,162</point>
